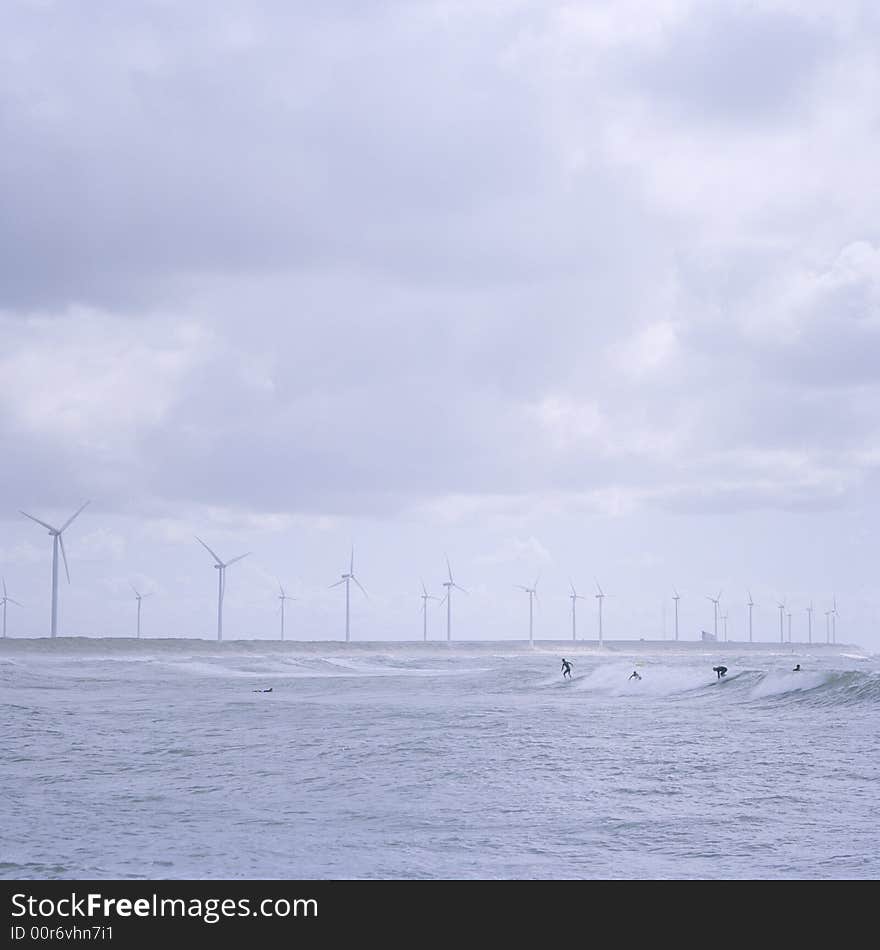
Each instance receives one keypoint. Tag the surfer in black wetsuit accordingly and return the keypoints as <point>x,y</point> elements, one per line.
<point>797,669</point>
<point>635,676</point>
<point>720,670</point>
<point>566,668</point>
<point>269,690</point>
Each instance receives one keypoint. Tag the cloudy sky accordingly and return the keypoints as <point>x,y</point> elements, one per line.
<point>578,290</point>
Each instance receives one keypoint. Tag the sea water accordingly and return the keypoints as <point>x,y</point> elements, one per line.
<point>159,759</point>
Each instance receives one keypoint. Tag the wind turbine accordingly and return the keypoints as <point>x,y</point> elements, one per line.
<point>828,626</point>
<point>533,594</point>
<point>600,596</point>
<point>220,566</point>
<point>676,597</point>
<point>716,601</point>
<point>574,597</point>
<point>781,607</point>
<point>282,596</point>
<point>139,597</point>
<point>425,597</point>
<point>347,579</point>
<point>6,599</point>
<point>834,620</point>
<point>810,623</point>
<point>57,541</point>
<point>724,623</point>
<point>450,585</point>
<point>750,605</point>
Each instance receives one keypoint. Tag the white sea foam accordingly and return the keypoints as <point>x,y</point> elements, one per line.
<point>160,759</point>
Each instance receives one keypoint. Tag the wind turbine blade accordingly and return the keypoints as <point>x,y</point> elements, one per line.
<point>520,587</point>
<point>424,589</point>
<point>443,600</point>
<point>448,567</point>
<point>43,523</point>
<point>212,553</point>
<point>136,592</point>
<point>598,588</point>
<point>359,584</point>
<point>457,587</point>
<point>4,586</point>
<point>337,584</point>
<point>64,557</point>
<point>351,569</point>
<point>11,601</point>
<point>240,557</point>
<point>76,514</point>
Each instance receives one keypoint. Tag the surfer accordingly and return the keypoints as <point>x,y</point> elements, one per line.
<point>635,676</point>
<point>797,669</point>
<point>720,670</point>
<point>269,690</point>
<point>566,668</point>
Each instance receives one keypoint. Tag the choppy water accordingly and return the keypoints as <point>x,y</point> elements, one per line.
<point>124,759</point>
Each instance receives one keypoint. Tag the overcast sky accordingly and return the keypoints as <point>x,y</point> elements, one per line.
<point>585,290</point>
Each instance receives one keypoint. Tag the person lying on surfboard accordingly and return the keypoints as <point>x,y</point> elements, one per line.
<point>635,676</point>
<point>797,669</point>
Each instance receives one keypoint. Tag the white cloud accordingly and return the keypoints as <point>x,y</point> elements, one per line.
<point>527,551</point>
<point>88,378</point>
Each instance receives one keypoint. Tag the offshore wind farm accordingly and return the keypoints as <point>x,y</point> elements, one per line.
<point>449,585</point>
<point>456,432</point>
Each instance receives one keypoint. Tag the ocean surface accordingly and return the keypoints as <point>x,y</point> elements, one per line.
<point>157,759</point>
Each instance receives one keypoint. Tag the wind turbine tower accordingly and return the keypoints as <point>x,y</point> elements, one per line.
<point>347,579</point>
<point>750,605</point>
<point>533,594</point>
<point>220,567</point>
<point>425,596</point>
<point>57,541</point>
<point>139,597</point>
<point>283,596</point>
<point>6,599</point>
<point>600,596</point>
<point>781,607</point>
<point>716,601</point>
<point>574,597</point>
<point>450,585</point>
<point>676,598</point>
<point>810,623</point>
